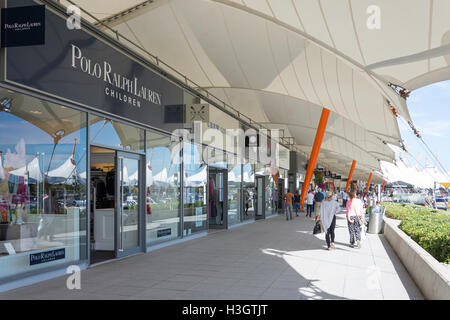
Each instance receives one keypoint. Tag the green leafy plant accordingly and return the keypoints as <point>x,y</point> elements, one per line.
<point>318,177</point>
<point>430,228</point>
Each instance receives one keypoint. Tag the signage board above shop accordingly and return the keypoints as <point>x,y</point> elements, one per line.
<point>75,65</point>
<point>23,26</point>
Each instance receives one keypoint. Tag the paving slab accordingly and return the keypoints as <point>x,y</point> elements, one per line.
<point>269,259</point>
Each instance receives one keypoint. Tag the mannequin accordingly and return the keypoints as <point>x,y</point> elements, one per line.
<point>20,199</point>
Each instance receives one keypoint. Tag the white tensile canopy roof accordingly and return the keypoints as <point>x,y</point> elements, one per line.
<point>149,176</point>
<point>421,178</point>
<point>64,173</point>
<point>280,62</point>
<point>31,170</point>
<point>197,179</point>
<point>162,178</point>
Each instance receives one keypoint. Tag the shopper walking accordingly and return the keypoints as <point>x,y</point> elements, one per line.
<point>309,203</point>
<point>318,198</point>
<point>327,216</point>
<point>289,197</point>
<point>344,199</point>
<point>355,215</point>
<point>297,203</point>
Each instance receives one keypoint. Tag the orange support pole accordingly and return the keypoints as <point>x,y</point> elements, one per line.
<point>368,182</point>
<point>384,183</point>
<point>314,153</point>
<point>350,175</point>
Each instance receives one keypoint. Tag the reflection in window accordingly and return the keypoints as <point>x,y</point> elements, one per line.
<point>271,195</point>
<point>42,182</point>
<point>248,192</point>
<point>162,189</point>
<point>115,134</point>
<point>195,208</point>
<point>234,190</point>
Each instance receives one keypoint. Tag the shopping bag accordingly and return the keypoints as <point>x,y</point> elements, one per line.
<point>318,228</point>
<point>363,231</point>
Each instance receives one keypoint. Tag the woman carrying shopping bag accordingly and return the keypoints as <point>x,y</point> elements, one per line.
<point>327,215</point>
<point>355,218</point>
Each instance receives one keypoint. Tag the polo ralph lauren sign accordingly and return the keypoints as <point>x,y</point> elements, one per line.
<point>47,256</point>
<point>23,26</point>
<point>80,67</point>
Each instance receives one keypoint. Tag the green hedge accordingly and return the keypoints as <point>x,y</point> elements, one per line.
<point>430,228</point>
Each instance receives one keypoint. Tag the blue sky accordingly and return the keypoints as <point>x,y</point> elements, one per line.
<point>430,111</point>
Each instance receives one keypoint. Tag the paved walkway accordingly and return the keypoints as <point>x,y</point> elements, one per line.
<point>271,259</point>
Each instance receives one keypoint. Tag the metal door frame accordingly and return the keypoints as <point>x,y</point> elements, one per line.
<point>120,252</point>
<point>224,171</point>
<point>263,195</point>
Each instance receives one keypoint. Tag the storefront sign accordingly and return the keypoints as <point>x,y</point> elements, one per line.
<point>76,66</point>
<point>23,26</point>
<point>47,256</point>
<point>164,232</point>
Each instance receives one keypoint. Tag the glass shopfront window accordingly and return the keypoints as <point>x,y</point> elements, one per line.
<point>195,188</point>
<point>234,190</point>
<point>162,189</point>
<point>271,195</point>
<point>270,188</point>
<point>42,184</point>
<point>248,191</point>
<point>111,133</point>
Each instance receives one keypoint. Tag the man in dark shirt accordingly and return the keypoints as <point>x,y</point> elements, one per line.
<point>297,202</point>
<point>318,198</point>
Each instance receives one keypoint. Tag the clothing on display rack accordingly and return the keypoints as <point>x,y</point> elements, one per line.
<point>4,210</point>
<point>211,189</point>
<point>110,181</point>
<point>213,209</point>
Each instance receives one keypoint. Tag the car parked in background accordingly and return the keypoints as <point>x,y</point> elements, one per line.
<point>441,203</point>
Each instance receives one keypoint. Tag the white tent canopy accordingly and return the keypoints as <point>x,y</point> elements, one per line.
<point>197,179</point>
<point>64,173</point>
<point>31,170</point>
<point>162,178</point>
<point>420,178</point>
<point>279,62</point>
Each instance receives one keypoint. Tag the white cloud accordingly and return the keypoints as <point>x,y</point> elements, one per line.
<point>436,128</point>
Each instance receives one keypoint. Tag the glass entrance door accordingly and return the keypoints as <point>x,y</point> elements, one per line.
<point>218,198</point>
<point>260,198</point>
<point>129,203</point>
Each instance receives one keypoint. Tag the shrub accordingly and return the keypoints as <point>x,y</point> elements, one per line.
<point>430,228</point>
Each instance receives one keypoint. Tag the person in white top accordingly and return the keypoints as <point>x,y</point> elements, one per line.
<point>327,215</point>
<point>355,216</point>
<point>309,203</point>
